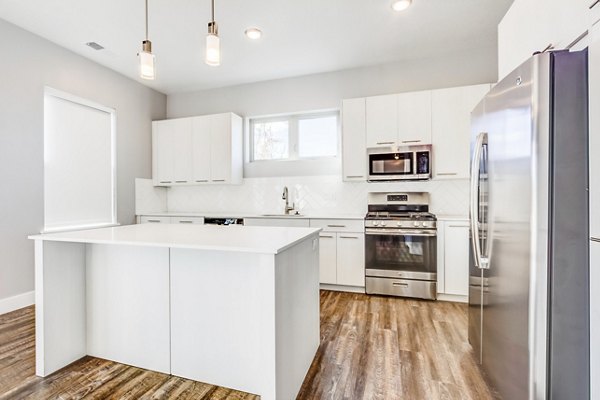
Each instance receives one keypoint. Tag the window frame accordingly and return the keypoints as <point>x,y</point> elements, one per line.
<point>49,91</point>
<point>293,134</point>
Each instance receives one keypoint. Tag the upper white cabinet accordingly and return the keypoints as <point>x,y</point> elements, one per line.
<point>451,120</point>
<point>172,162</point>
<point>197,150</point>
<point>414,118</point>
<point>382,120</point>
<point>354,137</point>
<point>398,119</point>
<point>534,25</point>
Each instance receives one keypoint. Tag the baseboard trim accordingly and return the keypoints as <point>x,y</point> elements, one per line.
<point>15,302</point>
<point>342,288</point>
<point>453,298</point>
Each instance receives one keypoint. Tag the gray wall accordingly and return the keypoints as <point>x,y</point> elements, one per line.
<point>28,64</point>
<point>322,91</point>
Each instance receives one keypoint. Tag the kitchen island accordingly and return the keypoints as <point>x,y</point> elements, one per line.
<point>234,306</point>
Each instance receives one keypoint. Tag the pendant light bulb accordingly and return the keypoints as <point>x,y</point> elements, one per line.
<point>213,43</point>
<point>147,60</point>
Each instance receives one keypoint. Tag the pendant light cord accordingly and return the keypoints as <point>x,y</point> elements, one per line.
<point>213,10</point>
<point>147,19</point>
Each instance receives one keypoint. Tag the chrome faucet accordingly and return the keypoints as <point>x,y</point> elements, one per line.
<point>286,197</point>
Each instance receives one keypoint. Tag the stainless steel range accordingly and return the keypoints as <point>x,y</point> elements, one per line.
<point>401,246</point>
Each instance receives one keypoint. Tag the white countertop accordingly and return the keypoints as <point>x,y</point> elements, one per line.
<point>250,215</point>
<point>248,239</point>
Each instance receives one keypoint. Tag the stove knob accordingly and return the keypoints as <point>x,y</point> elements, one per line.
<point>399,223</point>
<point>375,223</point>
<point>424,224</point>
<point>416,224</point>
<point>383,223</point>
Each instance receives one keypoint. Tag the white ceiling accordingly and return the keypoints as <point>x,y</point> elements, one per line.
<point>300,36</point>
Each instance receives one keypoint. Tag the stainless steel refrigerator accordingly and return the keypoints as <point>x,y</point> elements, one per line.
<point>529,272</point>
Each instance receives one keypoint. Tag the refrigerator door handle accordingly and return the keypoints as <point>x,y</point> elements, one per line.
<point>480,261</point>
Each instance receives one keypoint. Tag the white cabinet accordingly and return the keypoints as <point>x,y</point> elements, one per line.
<point>342,251</point>
<point>197,150</point>
<point>351,259</point>
<point>328,258</point>
<point>145,219</point>
<point>172,157</point>
<point>453,259</point>
<point>354,140</point>
<point>414,118</point>
<point>398,119</point>
<point>382,120</point>
<point>286,222</point>
<point>451,120</point>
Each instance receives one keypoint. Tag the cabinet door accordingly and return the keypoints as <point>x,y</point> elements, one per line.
<point>201,149</point>
<point>220,148</point>
<point>594,132</point>
<point>354,140</point>
<point>414,118</point>
<point>382,120</point>
<point>456,258</point>
<point>451,132</point>
<point>327,258</point>
<point>161,153</point>
<point>180,143</point>
<point>351,259</point>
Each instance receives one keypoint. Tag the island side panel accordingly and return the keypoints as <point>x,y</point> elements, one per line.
<point>223,319</point>
<point>60,305</point>
<point>297,314</point>
<point>128,305</point>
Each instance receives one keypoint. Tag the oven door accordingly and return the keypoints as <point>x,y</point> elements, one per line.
<point>396,253</point>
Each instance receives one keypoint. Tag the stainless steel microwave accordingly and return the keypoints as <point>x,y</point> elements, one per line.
<point>405,163</point>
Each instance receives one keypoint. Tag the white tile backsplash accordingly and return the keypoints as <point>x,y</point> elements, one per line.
<point>320,195</point>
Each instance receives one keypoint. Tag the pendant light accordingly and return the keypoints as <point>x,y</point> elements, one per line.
<point>146,57</point>
<point>213,46</point>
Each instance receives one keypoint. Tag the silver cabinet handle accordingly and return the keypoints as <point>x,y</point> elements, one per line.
<point>446,173</point>
<point>458,226</point>
<point>154,220</point>
<point>336,226</point>
<point>201,180</point>
<point>186,222</point>
<point>348,237</point>
<point>326,236</point>
<point>218,180</point>
<point>595,239</point>
<point>165,182</point>
<point>400,284</point>
<point>399,232</point>
<point>180,181</point>
<point>411,141</point>
<point>362,176</point>
<point>385,142</point>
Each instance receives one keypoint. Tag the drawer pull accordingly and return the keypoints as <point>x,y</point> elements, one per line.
<point>336,226</point>
<point>165,182</point>
<point>202,180</point>
<point>447,173</point>
<point>218,180</point>
<point>385,142</point>
<point>186,222</point>
<point>458,226</point>
<point>326,236</point>
<point>405,285</point>
<point>180,181</point>
<point>348,237</point>
<point>411,141</point>
<point>362,176</point>
<point>154,220</point>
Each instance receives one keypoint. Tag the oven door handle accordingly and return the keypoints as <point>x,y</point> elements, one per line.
<point>400,232</point>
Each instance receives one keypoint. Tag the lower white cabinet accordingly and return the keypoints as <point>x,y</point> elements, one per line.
<point>351,259</point>
<point>328,258</point>
<point>453,257</point>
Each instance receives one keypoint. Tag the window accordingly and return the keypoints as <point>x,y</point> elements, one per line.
<point>294,137</point>
<point>79,163</point>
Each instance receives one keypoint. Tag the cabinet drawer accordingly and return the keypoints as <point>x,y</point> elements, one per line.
<point>187,220</point>
<point>154,220</point>
<point>401,287</point>
<point>339,225</point>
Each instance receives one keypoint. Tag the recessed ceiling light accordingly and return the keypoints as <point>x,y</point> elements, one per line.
<point>401,5</point>
<point>253,33</point>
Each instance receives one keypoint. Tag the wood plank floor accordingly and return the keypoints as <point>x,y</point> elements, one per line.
<point>371,348</point>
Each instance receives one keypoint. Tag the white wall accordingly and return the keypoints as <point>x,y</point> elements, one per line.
<point>28,64</point>
<point>323,91</point>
